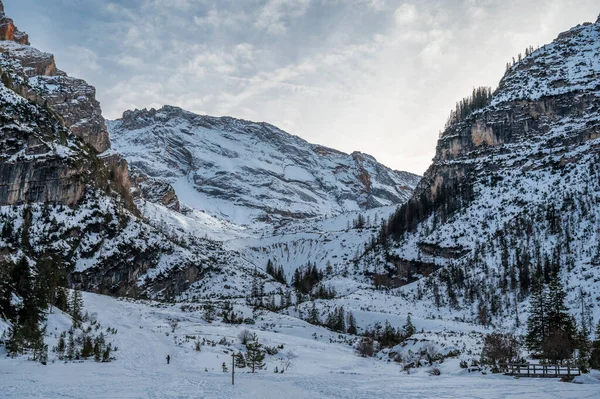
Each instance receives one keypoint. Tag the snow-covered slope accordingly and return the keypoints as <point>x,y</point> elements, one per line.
<point>321,364</point>
<point>244,171</point>
<point>514,191</point>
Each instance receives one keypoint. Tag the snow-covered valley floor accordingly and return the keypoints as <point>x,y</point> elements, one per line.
<point>321,369</point>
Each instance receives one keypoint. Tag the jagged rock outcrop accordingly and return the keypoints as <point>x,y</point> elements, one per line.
<point>65,199</point>
<point>244,171</point>
<point>34,161</point>
<point>73,99</point>
<point>33,62</point>
<point>8,30</point>
<point>157,191</point>
<point>118,170</point>
<point>538,95</point>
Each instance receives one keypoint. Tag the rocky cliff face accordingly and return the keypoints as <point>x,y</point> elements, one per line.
<point>548,101</point>
<point>244,171</point>
<point>72,99</point>
<point>59,196</point>
<point>36,164</point>
<point>8,30</point>
<point>75,101</point>
<point>39,158</point>
<point>512,194</point>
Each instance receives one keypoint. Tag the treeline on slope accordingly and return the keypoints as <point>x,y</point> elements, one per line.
<point>528,51</point>
<point>480,97</point>
<point>450,197</point>
<point>27,293</point>
<point>306,284</point>
<point>29,289</point>
<point>552,334</point>
<point>519,246</point>
<point>526,258</point>
<point>501,273</point>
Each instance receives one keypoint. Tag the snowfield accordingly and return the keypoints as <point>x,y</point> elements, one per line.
<point>320,369</point>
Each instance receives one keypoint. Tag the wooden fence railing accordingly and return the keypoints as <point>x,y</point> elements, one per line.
<point>539,370</point>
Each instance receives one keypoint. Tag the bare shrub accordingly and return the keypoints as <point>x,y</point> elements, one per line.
<point>499,348</point>
<point>365,347</point>
<point>174,324</point>
<point>246,337</point>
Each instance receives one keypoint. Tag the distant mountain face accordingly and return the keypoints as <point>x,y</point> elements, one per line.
<point>244,171</point>
<point>513,193</point>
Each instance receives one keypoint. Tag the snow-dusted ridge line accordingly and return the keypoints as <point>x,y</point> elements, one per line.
<point>246,172</point>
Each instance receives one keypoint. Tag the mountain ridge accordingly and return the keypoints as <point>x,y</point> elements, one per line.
<point>511,197</point>
<point>233,158</point>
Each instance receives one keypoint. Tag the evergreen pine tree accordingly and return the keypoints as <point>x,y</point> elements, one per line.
<point>584,346</point>
<point>240,360</point>
<point>15,343</point>
<point>106,354</point>
<point>97,350</point>
<point>537,322</point>
<point>595,353</point>
<point>313,317</point>
<point>255,356</point>
<point>329,269</point>
<point>409,328</point>
<point>270,269</point>
<point>61,346</point>
<point>62,299</point>
<point>87,349</point>
<point>71,349</point>
<point>562,334</point>
<point>351,322</point>
<point>340,323</point>
<point>209,312</point>
<point>288,299</point>
<point>76,307</point>
<point>255,291</point>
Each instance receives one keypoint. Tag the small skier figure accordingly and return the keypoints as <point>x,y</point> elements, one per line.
<point>168,359</point>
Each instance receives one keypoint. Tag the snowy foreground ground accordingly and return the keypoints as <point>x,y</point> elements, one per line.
<point>320,369</point>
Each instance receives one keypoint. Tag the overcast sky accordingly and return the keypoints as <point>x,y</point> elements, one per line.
<point>376,76</point>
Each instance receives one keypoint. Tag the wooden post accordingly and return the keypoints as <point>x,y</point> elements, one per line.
<point>233,368</point>
<point>569,371</point>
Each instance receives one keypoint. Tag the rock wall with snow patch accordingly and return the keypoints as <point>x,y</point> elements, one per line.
<point>245,171</point>
<point>513,192</point>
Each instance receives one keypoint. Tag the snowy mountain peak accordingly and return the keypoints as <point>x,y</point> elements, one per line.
<point>245,171</point>
<point>512,194</point>
<point>570,63</point>
<point>138,119</point>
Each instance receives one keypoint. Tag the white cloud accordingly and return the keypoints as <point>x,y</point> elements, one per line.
<point>274,16</point>
<point>406,14</point>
